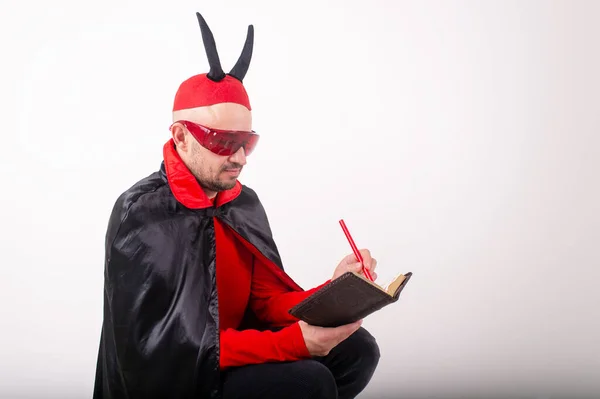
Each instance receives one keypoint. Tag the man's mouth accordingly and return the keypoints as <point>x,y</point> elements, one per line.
<point>233,171</point>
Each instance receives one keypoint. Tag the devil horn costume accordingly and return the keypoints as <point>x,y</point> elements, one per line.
<point>160,332</point>
<point>216,71</point>
<point>243,63</point>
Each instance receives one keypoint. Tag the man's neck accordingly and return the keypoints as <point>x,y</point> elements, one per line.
<point>210,194</point>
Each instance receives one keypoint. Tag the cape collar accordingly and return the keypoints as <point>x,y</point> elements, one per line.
<point>186,188</point>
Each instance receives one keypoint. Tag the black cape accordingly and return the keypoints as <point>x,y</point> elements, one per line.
<point>160,333</point>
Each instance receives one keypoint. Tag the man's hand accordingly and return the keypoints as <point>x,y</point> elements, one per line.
<point>321,340</point>
<point>350,264</point>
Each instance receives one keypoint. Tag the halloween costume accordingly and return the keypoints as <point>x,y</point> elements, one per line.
<point>193,286</point>
<point>184,275</point>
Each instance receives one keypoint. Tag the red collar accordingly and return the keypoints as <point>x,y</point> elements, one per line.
<point>184,185</point>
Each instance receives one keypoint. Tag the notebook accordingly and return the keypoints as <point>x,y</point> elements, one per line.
<point>348,298</point>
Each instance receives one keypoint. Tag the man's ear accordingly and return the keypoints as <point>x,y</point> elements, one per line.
<point>180,137</point>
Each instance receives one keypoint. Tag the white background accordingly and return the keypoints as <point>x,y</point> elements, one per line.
<point>458,139</point>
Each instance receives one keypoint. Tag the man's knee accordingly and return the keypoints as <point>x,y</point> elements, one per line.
<point>317,379</point>
<point>359,352</point>
<point>353,363</point>
<point>365,346</point>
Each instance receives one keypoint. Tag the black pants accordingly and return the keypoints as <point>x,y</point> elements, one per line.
<point>342,374</point>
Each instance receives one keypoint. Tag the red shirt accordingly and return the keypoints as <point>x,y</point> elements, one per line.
<point>244,279</point>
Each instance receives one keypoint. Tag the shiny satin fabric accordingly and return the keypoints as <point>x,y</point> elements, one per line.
<point>159,336</point>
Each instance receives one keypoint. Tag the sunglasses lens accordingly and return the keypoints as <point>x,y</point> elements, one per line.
<point>230,143</point>
<point>251,144</point>
<point>223,143</point>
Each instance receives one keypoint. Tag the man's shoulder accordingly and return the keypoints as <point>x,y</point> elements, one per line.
<point>249,192</point>
<point>248,197</point>
<point>148,198</point>
<point>148,185</point>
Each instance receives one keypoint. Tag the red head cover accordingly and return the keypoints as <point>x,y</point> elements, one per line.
<point>216,86</point>
<point>199,91</point>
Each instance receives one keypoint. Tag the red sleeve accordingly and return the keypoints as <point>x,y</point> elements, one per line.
<point>240,348</point>
<point>270,299</point>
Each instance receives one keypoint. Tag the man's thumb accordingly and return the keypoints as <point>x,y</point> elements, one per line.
<point>356,267</point>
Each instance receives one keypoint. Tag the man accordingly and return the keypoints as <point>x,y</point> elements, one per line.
<point>196,298</point>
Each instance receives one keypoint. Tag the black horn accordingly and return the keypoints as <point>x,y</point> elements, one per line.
<point>216,72</point>
<point>243,63</point>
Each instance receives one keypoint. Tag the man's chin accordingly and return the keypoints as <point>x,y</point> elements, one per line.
<point>221,185</point>
<point>230,184</point>
<point>227,183</point>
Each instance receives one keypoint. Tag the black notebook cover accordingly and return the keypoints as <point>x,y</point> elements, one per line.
<point>344,300</point>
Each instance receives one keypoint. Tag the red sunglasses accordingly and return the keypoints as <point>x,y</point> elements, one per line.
<point>222,142</point>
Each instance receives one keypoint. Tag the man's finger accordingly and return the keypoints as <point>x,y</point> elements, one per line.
<point>365,253</point>
<point>367,259</point>
<point>356,267</point>
<point>373,265</point>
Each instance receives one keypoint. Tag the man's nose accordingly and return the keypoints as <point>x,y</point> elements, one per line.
<point>239,157</point>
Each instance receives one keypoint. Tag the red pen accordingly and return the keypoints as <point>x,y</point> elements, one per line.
<point>355,250</point>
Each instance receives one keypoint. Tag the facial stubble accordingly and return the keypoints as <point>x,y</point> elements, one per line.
<point>207,177</point>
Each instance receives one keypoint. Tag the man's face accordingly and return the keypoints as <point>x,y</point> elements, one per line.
<point>214,172</point>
